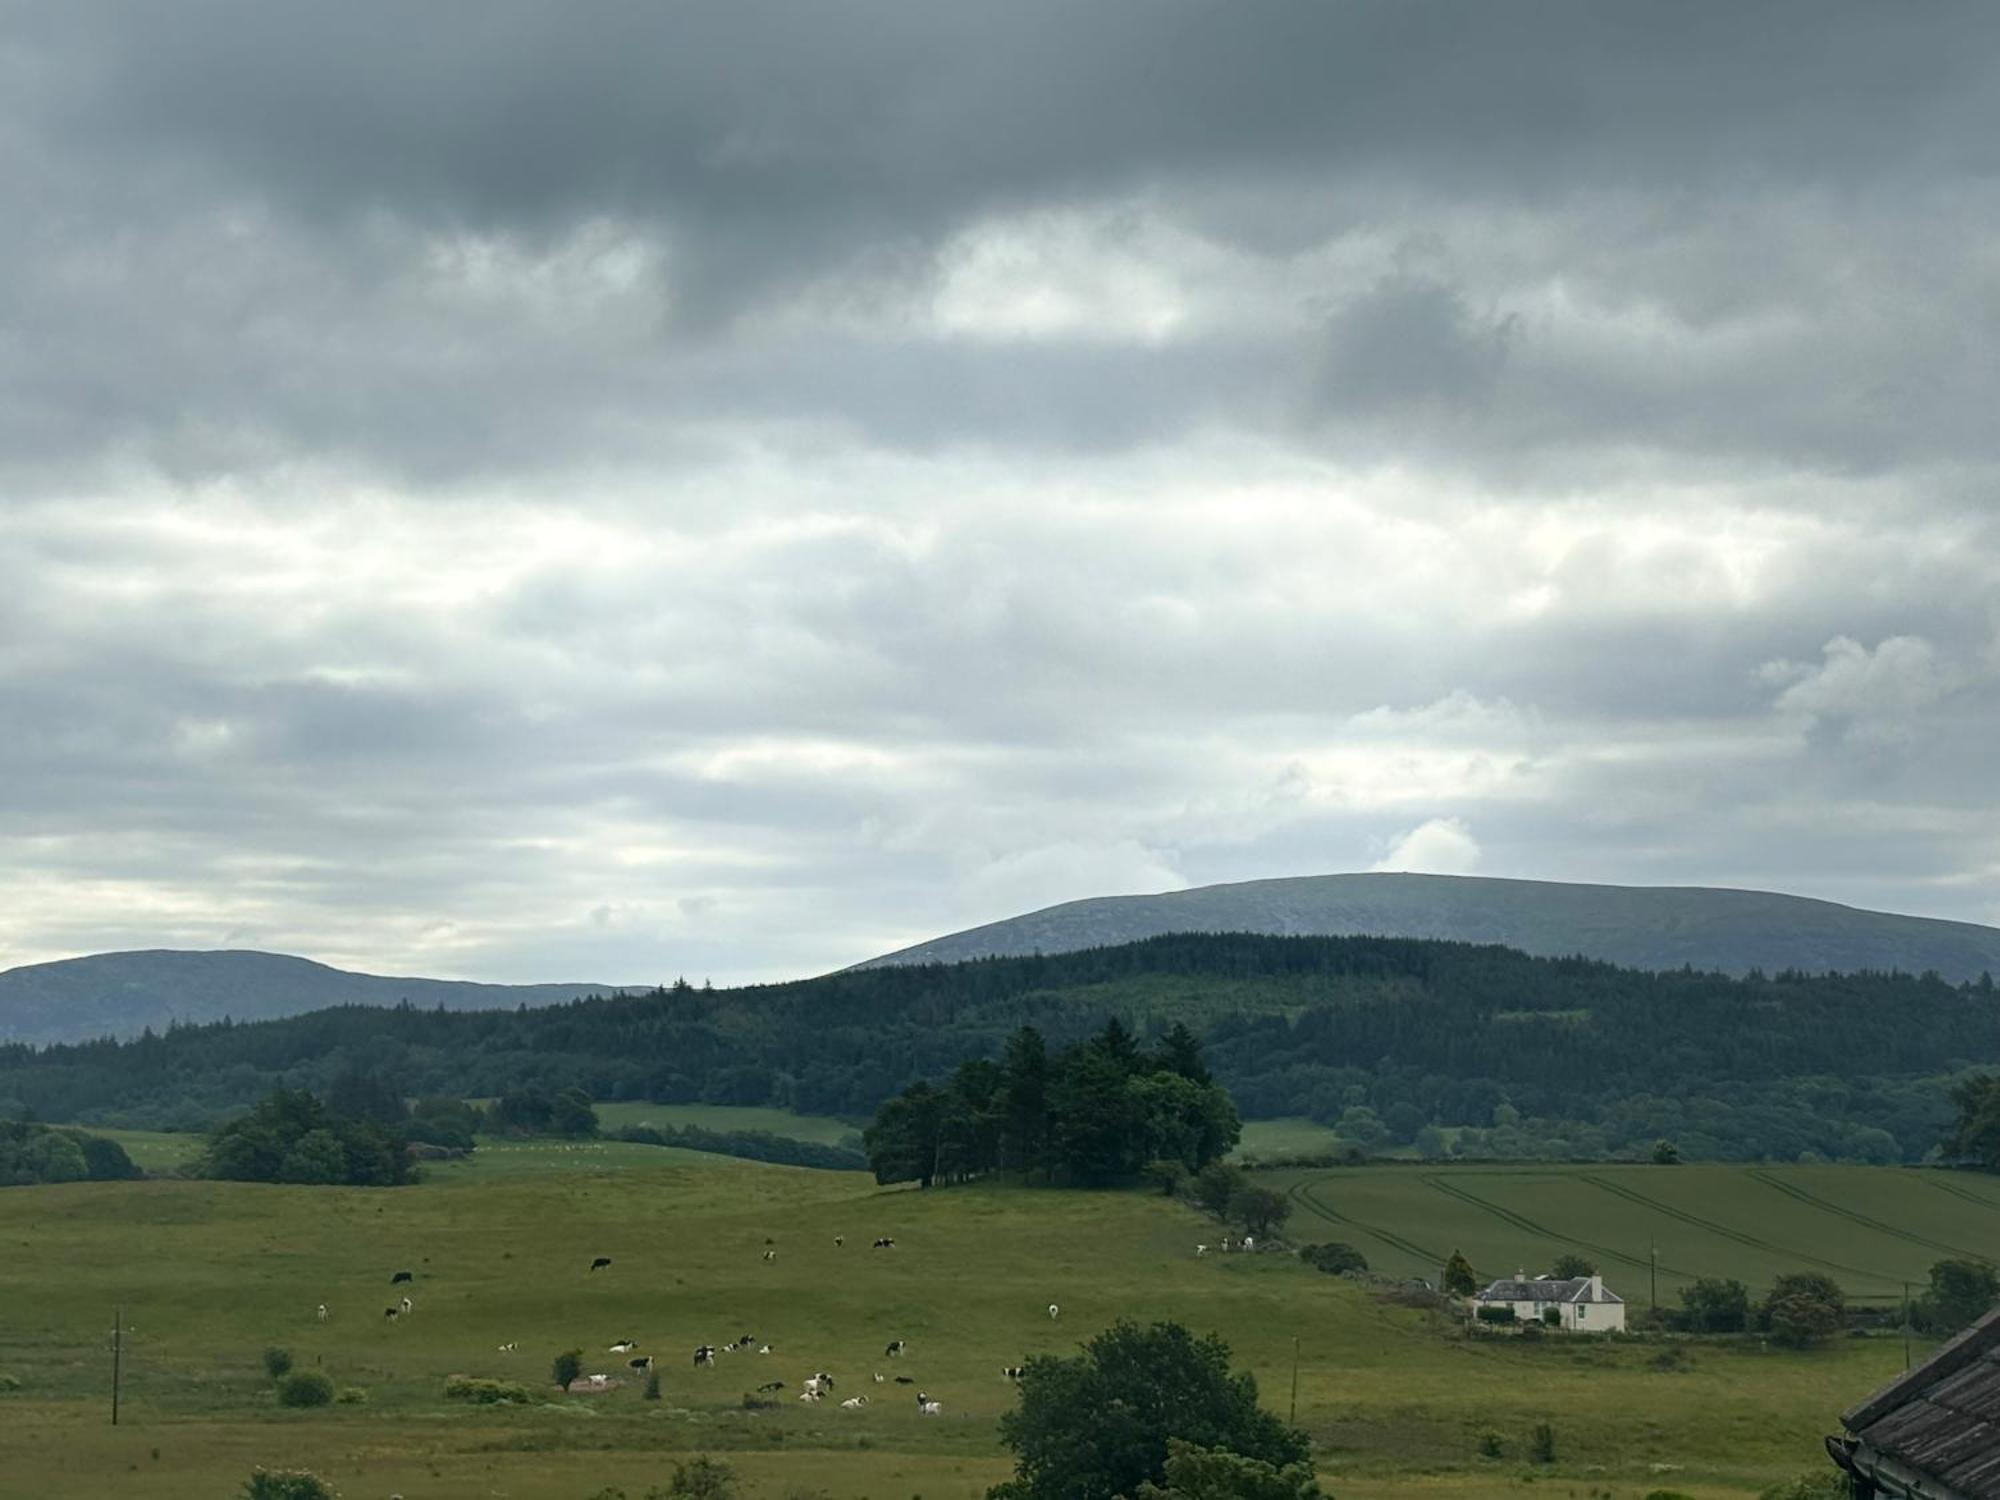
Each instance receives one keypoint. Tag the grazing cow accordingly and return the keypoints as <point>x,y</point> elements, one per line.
<point>1054,1312</point>
<point>854,1403</point>
<point>885,1243</point>
<point>623,1346</point>
<point>408,1306</point>
<point>1200,1250</point>
<point>600,1263</point>
<point>809,1394</point>
<point>704,1355</point>
<point>770,1255</point>
<point>643,1362</point>
<point>772,1385</point>
<point>765,1350</point>
<point>322,1312</point>
<point>878,1377</point>
<point>895,1349</point>
<point>392,1312</point>
<point>399,1278</point>
<point>904,1380</point>
<point>1225,1244</point>
<point>839,1240</point>
<point>1013,1372</point>
<point>1250,1242</point>
<point>600,1380</point>
<point>507,1348</point>
<point>929,1407</point>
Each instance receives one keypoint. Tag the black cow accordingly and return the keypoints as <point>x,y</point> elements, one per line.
<point>399,1278</point>
<point>772,1385</point>
<point>704,1355</point>
<point>895,1349</point>
<point>904,1380</point>
<point>600,1263</point>
<point>643,1362</point>
<point>392,1312</point>
<point>885,1243</point>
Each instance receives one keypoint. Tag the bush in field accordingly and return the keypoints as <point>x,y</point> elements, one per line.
<point>481,1392</point>
<point>1960,1292</point>
<point>702,1478</point>
<point>277,1362</point>
<point>1196,1473</point>
<point>1334,1258</point>
<point>305,1388</point>
<point>1715,1304</point>
<point>1492,1445</point>
<point>1803,1309</point>
<point>566,1367</point>
<point>1459,1280</point>
<point>1215,1184</point>
<point>351,1395</point>
<point>1260,1210</point>
<point>1542,1444</point>
<point>287,1484</point>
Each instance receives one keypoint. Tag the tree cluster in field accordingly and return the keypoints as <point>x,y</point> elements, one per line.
<point>1093,1114</point>
<point>750,1145</point>
<point>1974,1135</point>
<point>32,1153</point>
<point>1801,1309</point>
<point>534,1110</point>
<point>293,1136</point>
<point>1442,1048</point>
<point>1806,1307</point>
<point>1154,1413</point>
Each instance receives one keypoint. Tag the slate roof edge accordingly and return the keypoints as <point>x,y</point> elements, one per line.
<point>1949,1360</point>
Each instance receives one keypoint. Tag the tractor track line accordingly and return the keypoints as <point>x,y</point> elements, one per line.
<point>1301,1192</point>
<point>1806,1196</point>
<point>1937,1181</point>
<point>1750,1241</point>
<point>1521,1221</point>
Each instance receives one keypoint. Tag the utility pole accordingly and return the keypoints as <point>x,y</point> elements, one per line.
<point>1653,1255</point>
<point>117,1358</point>
<point>1294,1418</point>
<point>1906,1328</point>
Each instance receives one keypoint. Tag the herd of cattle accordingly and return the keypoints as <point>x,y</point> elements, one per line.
<point>814,1389</point>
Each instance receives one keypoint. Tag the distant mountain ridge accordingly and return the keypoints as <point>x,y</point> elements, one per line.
<point>1640,927</point>
<point>121,994</point>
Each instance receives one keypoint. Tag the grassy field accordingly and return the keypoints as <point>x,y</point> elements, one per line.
<point>1871,1228</point>
<point>211,1273</point>
<point>824,1129</point>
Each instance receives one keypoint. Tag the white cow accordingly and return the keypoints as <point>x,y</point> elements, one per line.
<point>322,1312</point>
<point>1200,1250</point>
<point>1054,1312</point>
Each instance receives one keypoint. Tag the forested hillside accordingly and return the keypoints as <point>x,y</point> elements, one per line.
<point>1446,1046</point>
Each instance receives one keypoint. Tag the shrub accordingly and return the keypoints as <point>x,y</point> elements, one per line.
<point>1552,1317</point>
<point>1167,1174</point>
<point>1459,1279</point>
<point>1334,1258</point>
<point>1542,1444</point>
<point>287,1484</point>
<point>1215,1184</point>
<point>566,1367</point>
<point>482,1392</point>
<point>1572,1264</point>
<point>1492,1445</point>
<point>1814,1486</point>
<point>1716,1305</point>
<point>702,1478</point>
<point>305,1388</point>
<point>1499,1314</point>
<point>1260,1210</point>
<point>9,1382</point>
<point>277,1362</point>
<point>351,1395</point>
<point>652,1385</point>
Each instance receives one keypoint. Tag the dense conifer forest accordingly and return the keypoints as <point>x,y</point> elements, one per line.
<point>1451,1048</point>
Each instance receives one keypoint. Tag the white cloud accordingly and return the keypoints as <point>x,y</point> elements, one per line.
<point>1439,846</point>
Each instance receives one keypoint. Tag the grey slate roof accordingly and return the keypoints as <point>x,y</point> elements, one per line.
<point>1544,1289</point>
<point>1942,1420</point>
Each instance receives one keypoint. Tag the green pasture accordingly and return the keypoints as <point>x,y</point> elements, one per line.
<point>1871,1228</point>
<point>1395,1399</point>
<point>824,1129</point>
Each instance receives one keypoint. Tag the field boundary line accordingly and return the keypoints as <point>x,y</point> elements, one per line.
<point>1937,1181</point>
<point>1807,1196</point>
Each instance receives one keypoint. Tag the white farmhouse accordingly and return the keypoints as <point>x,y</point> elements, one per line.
<point>1584,1303</point>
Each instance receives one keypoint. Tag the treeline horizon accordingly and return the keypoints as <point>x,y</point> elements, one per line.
<point>1444,1047</point>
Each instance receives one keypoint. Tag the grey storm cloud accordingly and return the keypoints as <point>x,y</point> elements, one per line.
<point>519,490</point>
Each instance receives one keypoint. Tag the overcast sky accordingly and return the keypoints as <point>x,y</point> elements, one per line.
<point>599,491</point>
